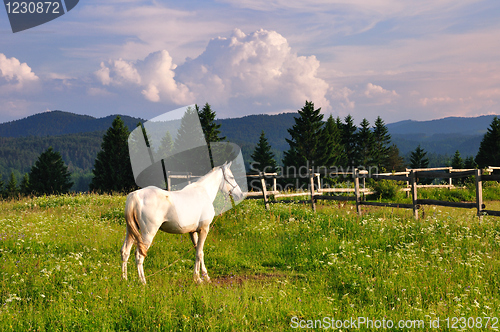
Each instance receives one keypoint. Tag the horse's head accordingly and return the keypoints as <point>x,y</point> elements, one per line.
<point>229,185</point>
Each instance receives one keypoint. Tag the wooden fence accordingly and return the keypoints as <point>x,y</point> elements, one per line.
<point>410,177</point>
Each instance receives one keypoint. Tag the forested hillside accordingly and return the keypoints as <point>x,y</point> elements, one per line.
<point>57,123</point>
<point>77,150</point>
<point>245,132</point>
<point>78,138</point>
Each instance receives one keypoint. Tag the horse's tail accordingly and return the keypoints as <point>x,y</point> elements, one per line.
<point>133,228</point>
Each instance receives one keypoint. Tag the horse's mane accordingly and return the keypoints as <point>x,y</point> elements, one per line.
<point>204,177</point>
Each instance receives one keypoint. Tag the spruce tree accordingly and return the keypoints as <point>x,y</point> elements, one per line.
<point>49,174</point>
<point>24,186</point>
<point>11,189</point>
<point>190,146</point>
<point>382,141</point>
<point>365,145</point>
<point>112,168</point>
<point>305,138</point>
<point>263,157</point>
<point>166,146</point>
<point>189,135</point>
<point>349,140</point>
<point>418,158</point>
<point>470,163</point>
<point>489,150</point>
<point>394,162</point>
<point>331,149</point>
<point>211,130</point>
<point>457,161</point>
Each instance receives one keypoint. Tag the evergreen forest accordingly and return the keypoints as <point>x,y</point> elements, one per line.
<point>78,140</point>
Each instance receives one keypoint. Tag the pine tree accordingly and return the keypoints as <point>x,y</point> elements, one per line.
<point>470,163</point>
<point>457,161</point>
<point>190,146</point>
<point>331,149</point>
<point>382,141</point>
<point>349,140</point>
<point>489,150</point>
<point>189,135</point>
<point>112,168</point>
<point>305,138</point>
<point>49,174</point>
<point>418,158</point>
<point>11,189</point>
<point>263,157</point>
<point>365,145</point>
<point>394,161</point>
<point>211,130</point>
<point>166,146</point>
<point>24,186</point>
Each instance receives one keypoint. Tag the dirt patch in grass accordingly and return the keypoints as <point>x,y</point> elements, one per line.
<point>238,280</point>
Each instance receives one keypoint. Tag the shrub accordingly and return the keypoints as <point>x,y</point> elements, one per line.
<point>386,189</point>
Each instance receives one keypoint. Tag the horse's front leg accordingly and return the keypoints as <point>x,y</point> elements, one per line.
<point>200,262</point>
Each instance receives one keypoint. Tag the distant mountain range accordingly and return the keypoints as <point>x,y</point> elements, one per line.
<point>57,123</point>
<point>451,125</point>
<point>21,141</point>
<point>442,136</point>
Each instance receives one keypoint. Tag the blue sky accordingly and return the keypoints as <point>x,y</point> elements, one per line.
<point>401,60</point>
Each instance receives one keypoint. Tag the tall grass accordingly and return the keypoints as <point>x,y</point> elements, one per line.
<point>60,268</point>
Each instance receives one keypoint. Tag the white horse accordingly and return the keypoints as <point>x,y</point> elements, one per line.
<point>189,210</point>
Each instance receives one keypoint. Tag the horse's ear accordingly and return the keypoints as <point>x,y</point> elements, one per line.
<point>228,164</point>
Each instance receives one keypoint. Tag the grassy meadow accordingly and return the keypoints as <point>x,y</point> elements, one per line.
<point>278,270</point>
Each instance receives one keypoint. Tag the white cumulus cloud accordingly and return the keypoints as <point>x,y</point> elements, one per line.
<point>15,73</point>
<point>260,67</point>
<point>154,76</point>
<point>246,70</point>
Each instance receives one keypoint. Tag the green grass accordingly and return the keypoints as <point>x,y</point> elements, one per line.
<point>60,268</point>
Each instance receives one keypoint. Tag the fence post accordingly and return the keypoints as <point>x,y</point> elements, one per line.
<point>407,185</point>
<point>356,191</point>
<point>413,181</point>
<point>479,192</point>
<point>169,181</point>
<point>311,189</point>
<point>264,189</point>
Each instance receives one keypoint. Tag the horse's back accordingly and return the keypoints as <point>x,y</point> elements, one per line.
<point>173,211</point>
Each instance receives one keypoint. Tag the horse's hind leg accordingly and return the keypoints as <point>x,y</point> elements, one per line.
<point>125,251</point>
<point>194,238</point>
<point>139,261</point>
<point>147,239</point>
<point>200,262</point>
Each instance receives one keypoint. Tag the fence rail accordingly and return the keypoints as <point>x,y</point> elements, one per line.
<point>410,176</point>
